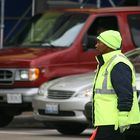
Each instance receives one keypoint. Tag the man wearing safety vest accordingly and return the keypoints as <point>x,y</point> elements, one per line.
<point>114,90</point>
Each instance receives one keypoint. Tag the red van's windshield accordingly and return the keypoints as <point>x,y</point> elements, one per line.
<point>51,29</point>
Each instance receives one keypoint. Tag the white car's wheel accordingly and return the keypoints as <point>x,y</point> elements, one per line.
<point>71,129</point>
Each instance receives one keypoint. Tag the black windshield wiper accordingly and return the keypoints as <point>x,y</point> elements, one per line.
<point>48,44</point>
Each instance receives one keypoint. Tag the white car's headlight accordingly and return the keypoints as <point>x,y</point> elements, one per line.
<point>27,74</point>
<point>87,92</point>
<point>43,91</point>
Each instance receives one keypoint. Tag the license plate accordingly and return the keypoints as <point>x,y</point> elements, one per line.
<point>51,108</point>
<point>14,98</point>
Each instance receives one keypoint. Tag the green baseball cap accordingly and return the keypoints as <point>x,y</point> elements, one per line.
<point>111,38</point>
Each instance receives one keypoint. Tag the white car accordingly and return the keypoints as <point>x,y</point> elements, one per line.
<point>62,101</point>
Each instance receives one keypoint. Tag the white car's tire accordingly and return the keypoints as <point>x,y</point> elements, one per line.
<point>71,128</point>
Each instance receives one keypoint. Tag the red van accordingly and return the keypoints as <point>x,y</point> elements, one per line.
<point>54,44</point>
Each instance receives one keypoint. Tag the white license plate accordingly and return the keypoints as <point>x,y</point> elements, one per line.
<point>14,98</point>
<point>51,108</point>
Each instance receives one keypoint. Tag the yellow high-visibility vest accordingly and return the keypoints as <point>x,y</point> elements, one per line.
<point>105,98</point>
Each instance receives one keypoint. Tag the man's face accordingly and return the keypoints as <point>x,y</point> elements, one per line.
<point>101,47</point>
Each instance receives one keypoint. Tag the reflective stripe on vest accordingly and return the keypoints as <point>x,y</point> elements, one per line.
<point>108,91</point>
<point>104,89</point>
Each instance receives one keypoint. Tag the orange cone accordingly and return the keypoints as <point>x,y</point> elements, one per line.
<point>93,134</point>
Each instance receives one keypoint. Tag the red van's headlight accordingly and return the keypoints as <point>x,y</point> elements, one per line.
<point>27,74</point>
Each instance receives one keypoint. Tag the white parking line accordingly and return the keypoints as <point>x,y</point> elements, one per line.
<point>18,132</point>
<point>15,132</point>
<point>37,132</point>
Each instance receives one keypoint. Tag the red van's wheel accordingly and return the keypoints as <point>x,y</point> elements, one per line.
<point>5,119</point>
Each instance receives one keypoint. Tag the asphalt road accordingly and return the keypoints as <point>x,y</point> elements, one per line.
<point>39,134</point>
<point>25,127</point>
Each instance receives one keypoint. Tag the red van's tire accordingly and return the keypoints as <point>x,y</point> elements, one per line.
<point>5,119</point>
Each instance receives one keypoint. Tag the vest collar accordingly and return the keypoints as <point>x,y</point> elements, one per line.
<point>101,59</point>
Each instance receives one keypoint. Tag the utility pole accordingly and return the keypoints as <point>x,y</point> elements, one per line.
<point>33,7</point>
<point>98,3</point>
<point>2,23</point>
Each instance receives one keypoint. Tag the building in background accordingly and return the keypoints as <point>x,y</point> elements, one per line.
<point>18,12</point>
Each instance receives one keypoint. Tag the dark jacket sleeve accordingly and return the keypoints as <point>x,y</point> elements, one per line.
<point>121,78</point>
